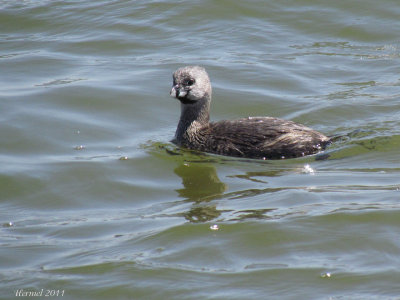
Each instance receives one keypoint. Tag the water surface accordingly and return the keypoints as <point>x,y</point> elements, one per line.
<point>96,202</point>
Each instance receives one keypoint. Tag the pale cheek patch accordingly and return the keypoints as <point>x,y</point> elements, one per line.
<point>195,94</point>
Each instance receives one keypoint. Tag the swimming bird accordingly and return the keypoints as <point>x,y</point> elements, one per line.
<point>252,137</point>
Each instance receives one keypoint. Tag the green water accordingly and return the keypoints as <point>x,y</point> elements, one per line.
<point>96,203</point>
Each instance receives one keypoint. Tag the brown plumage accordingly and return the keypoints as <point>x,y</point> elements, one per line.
<point>253,137</point>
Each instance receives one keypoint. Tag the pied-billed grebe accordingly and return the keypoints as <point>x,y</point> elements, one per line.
<point>252,137</point>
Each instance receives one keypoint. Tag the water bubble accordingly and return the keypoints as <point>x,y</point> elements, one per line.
<point>308,170</point>
<point>8,224</point>
<point>326,275</point>
<point>214,227</point>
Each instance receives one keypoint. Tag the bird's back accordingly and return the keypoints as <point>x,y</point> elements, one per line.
<point>260,137</point>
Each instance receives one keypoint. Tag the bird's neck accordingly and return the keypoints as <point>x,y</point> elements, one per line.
<point>193,117</point>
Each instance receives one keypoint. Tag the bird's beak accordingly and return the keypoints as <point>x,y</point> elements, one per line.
<point>176,92</point>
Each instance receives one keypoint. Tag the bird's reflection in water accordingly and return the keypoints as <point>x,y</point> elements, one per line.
<point>200,185</point>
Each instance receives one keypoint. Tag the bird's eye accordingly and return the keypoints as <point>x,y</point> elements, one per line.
<point>190,82</point>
